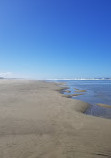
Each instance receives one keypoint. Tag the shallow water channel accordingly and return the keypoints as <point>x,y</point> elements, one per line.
<point>94,92</point>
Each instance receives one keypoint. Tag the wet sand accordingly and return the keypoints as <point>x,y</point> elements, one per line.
<point>36,121</point>
<point>104,105</point>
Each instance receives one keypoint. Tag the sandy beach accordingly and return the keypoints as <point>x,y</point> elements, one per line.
<point>36,121</point>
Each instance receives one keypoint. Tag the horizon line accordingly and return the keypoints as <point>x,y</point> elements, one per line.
<point>82,79</point>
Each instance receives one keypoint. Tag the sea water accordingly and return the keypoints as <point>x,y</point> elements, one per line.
<point>97,91</point>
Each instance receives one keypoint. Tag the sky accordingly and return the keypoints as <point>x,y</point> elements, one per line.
<point>48,39</point>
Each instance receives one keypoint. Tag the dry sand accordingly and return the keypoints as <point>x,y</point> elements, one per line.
<point>37,122</point>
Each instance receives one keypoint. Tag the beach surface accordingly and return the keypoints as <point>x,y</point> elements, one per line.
<point>36,121</point>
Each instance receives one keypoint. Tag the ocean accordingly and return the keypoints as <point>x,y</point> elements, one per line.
<point>97,91</point>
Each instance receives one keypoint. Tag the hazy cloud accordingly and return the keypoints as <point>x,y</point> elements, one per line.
<point>6,74</point>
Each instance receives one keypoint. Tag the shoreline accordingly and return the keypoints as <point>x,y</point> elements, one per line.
<point>61,91</point>
<point>37,121</point>
<point>98,109</point>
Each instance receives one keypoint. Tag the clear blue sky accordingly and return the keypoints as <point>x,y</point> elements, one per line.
<point>55,38</point>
